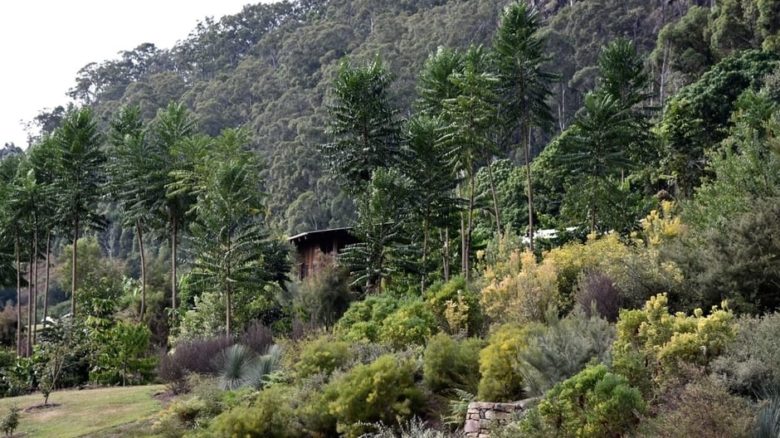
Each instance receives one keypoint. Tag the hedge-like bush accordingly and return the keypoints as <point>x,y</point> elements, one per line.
<point>383,391</point>
<point>456,306</point>
<point>593,403</point>
<point>499,366</point>
<point>449,364</point>
<point>412,324</point>
<point>322,355</point>
<point>270,416</point>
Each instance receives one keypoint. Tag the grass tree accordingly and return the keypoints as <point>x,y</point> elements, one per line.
<point>79,180</point>
<point>524,84</point>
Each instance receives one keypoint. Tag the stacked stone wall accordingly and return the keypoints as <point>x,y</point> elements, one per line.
<point>483,416</point>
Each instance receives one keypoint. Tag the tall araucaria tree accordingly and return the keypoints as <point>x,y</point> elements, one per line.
<point>232,252</point>
<point>44,158</point>
<point>524,84</point>
<point>364,126</point>
<point>79,180</point>
<point>10,219</point>
<point>136,180</point>
<point>470,119</point>
<point>171,131</point>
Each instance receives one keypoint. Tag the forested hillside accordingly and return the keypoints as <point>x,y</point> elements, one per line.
<point>268,69</point>
<point>563,216</point>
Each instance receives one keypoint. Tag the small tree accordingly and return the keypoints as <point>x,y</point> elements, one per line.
<point>10,421</point>
<point>50,371</point>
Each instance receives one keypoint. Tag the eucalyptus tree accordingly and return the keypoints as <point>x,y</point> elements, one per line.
<point>136,179</point>
<point>79,180</point>
<point>470,117</point>
<point>229,237</point>
<point>525,85</point>
<point>172,132</point>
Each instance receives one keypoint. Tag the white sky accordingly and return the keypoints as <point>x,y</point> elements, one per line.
<point>43,43</point>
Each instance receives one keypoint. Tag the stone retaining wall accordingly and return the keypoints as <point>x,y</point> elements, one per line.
<point>481,416</point>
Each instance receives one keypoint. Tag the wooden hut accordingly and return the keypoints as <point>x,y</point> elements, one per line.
<point>310,247</point>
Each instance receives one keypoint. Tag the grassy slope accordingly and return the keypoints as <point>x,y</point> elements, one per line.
<point>84,412</point>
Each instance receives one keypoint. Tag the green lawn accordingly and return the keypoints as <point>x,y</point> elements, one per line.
<point>84,412</point>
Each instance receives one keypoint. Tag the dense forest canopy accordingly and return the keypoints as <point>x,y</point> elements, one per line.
<point>571,202</point>
<point>268,69</point>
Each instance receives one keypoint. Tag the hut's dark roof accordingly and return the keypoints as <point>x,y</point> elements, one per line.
<point>319,234</point>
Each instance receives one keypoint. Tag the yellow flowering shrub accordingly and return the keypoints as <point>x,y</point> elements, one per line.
<point>499,363</point>
<point>662,224</point>
<point>654,344</point>
<point>573,258</point>
<point>523,294</point>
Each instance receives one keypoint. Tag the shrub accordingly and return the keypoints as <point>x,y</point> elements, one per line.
<point>596,292</point>
<point>653,342</point>
<point>592,403</point>
<point>700,408</point>
<point>524,294</point>
<point>498,363</point>
<point>449,364</point>
<point>456,306</point>
<point>323,355</point>
<point>323,297</point>
<point>562,348</point>
<point>362,320</point>
<point>572,259</point>
<point>383,391</point>
<point>414,428</point>
<point>270,416</point>
<point>636,271</point>
<point>412,324</point>
<point>748,365</point>
<point>257,337</point>
<point>121,356</point>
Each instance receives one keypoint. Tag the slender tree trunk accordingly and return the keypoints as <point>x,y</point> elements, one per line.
<point>73,271</point>
<point>530,191</point>
<point>496,210</point>
<point>48,265</point>
<point>140,233</point>
<point>30,322</point>
<point>467,252</point>
<point>34,302</point>
<point>445,256</point>
<point>228,313</point>
<point>463,243</point>
<point>174,232</point>
<point>18,297</point>
<point>424,256</point>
